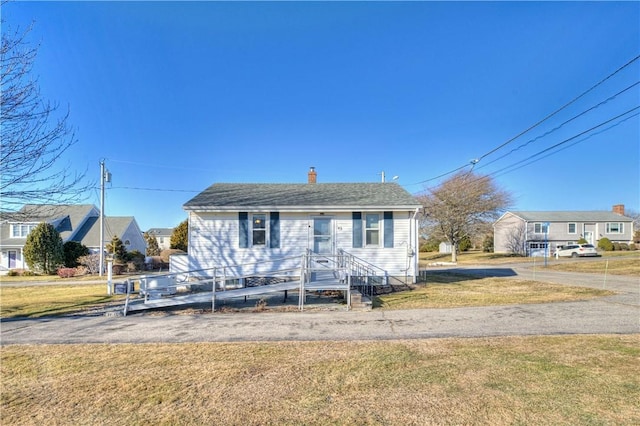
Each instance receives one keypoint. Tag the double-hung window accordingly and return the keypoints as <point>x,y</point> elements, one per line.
<point>615,228</point>
<point>572,228</point>
<point>259,229</point>
<point>21,230</point>
<point>372,229</point>
<point>540,228</point>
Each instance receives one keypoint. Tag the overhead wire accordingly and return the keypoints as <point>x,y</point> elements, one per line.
<point>570,139</point>
<point>610,98</point>
<point>475,161</point>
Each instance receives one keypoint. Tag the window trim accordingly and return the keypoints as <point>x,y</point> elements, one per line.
<point>367,229</point>
<point>538,228</point>
<point>620,227</point>
<point>575,228</point>
<point>30,226</point>
<point>253,230</point>
<point>271,229</point>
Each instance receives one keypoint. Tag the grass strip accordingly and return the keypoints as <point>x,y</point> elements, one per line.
<point>510,380</point>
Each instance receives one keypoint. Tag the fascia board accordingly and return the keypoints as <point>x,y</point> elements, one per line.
<point>302,208</point>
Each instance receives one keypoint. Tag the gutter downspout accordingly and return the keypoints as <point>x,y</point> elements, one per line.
<point>410,249</point>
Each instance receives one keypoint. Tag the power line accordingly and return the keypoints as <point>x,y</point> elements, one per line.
<point>561,108</point>
<point>565,147</point>
<point>563,124</point>
<point>473,162</point>
<point>153,189</point>
<point>570,139</point>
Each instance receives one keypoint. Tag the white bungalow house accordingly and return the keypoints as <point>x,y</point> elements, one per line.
<point>539,233</point>
<point>245,224</point>
<point>74,223</point>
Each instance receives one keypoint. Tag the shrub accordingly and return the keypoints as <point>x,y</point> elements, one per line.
<point>91,262</point>
<point>13,273</point>
<point>27,273</point>
<point>632,246</point>
<point>624,246</point>
<point>583,241</point>
<point>605,244</point>
<point>73,250</point>
<point>165,254</point>
<point>616,246</point>
<point>66,272</point>
<point>135,261</point>
<point>464,244</point>
<point>487,244</point>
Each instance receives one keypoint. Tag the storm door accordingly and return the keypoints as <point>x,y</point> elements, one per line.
<point>322,235</point>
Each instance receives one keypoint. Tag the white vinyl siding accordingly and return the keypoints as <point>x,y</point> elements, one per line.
<point>214,241</point>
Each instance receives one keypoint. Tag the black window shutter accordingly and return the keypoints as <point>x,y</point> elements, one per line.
<point>357,229</point>
<point>274,230</point>
<point>243,219</point>
<point>388,229</point>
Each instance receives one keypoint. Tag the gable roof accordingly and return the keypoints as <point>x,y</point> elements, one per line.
<point>160,231</point>
<point>283,196</point>
<point>571,216</point>
<point>89,234</point>
<point>67,219</point>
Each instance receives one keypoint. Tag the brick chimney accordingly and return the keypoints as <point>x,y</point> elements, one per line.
<point>312,175</point>
<point>619,209</point>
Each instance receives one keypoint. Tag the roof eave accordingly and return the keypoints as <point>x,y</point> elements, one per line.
<point>404,207</point>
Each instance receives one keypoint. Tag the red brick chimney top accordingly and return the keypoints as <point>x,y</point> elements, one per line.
<point>312,175</point>
<point>619,209</point>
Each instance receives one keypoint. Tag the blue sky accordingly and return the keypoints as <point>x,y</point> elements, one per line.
<point>176,96</point>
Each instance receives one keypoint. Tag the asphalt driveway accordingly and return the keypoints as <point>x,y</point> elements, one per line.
<point>618,314</point>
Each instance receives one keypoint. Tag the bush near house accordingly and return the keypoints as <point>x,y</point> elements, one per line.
<point>605,244</point>
<point>66,272</point>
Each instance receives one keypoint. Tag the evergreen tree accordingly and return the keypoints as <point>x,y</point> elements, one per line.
<point>117,249</point>
<point>152,245</point>
<point>73,250</point>
<point>43,249</point>
<point>179,237</point>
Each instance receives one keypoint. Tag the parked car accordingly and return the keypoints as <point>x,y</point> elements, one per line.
<point>576,250</point>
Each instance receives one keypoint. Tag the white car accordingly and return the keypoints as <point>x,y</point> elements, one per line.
<point>577,250</point>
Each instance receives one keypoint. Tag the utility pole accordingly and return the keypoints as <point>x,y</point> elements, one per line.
<point>105,176</point>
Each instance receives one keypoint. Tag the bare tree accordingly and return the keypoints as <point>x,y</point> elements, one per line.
<point>461,205</point>
<point>34,136</point>
<point>516,239</point>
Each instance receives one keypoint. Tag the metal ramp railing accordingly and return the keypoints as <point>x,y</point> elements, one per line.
<point>308,272</point>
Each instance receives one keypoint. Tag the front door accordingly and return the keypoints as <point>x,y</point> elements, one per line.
<point>322,235</point>
<point>589,232</point>
<point>12,259</point>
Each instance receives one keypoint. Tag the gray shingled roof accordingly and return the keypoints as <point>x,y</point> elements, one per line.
<point>229,196</point>
<point>571,216</point>
<point>89,234</point>
<point>65,218</point>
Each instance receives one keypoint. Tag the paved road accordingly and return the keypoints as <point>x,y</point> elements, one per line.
<point>615,314</point>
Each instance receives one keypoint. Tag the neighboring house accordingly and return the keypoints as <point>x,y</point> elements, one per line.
<point>79,223</point>
<point>162,236</point>
<point>237,224</point>
<point>539,233</point>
